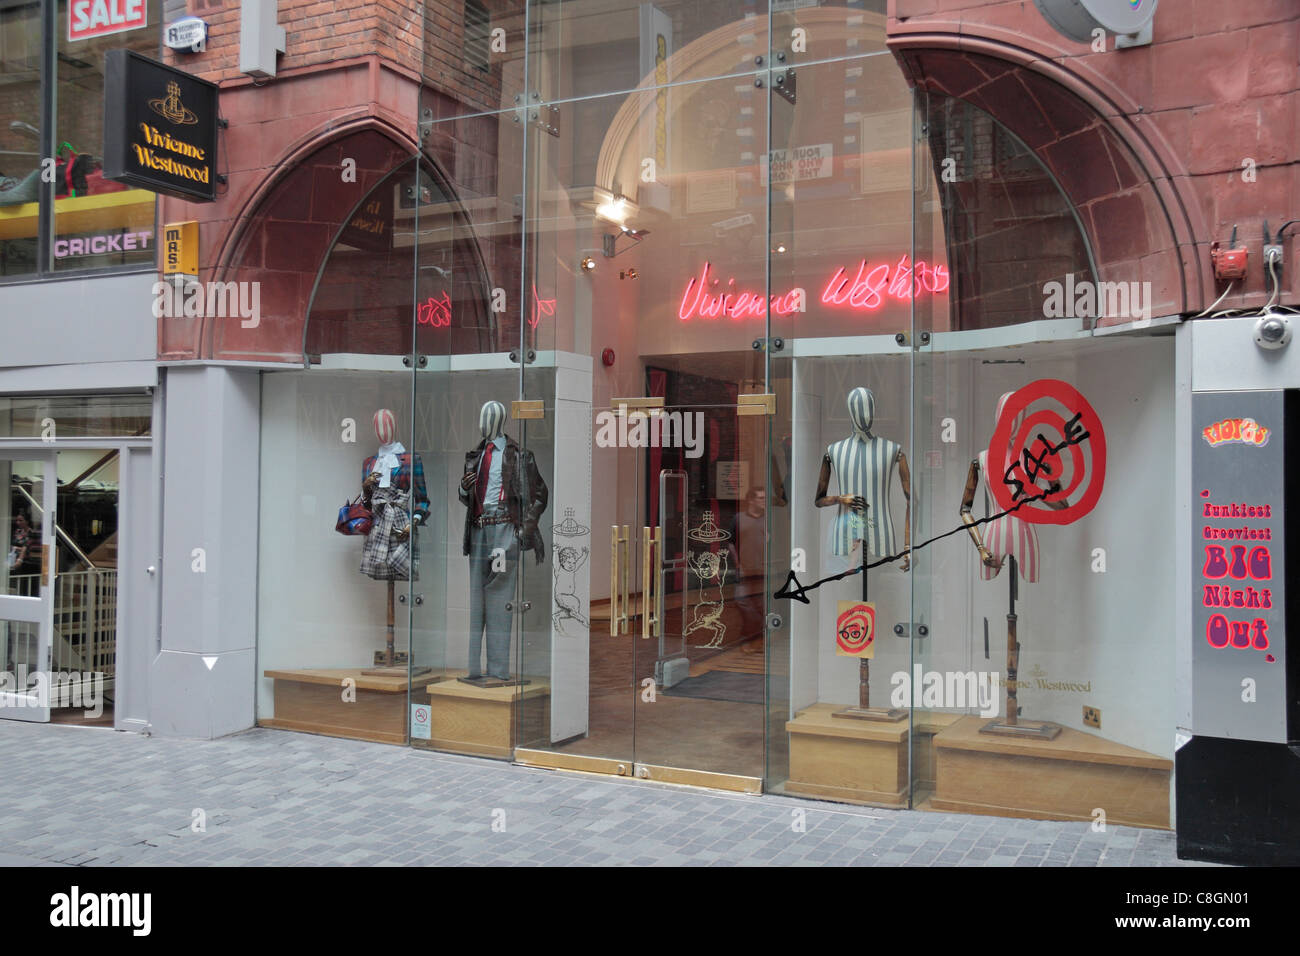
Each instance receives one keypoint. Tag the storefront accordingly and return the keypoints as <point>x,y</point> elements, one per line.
<point>79,384</point>
<point>838,396</point>
<point>676,296</point>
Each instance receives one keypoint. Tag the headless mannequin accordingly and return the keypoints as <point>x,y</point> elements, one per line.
<point>1009,538</point>
<point>494,554</point>
<point>386,475</point>
<point>863,465</point>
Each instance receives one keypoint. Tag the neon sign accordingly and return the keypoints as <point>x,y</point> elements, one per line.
<point>865,291</point>
<point>731,302</point>
<point>540,307</point>
<point>868,288</point>
<point>435,311</point>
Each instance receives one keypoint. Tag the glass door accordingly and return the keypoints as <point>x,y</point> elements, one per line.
<point>27,578</point>
<point>699,663</point>
<point>592,534</point>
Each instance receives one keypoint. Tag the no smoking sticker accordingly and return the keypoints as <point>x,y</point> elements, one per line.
<point>421,722</point>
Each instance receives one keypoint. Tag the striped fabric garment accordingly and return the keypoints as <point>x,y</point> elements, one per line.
<point>864,466</point>
<point>1007,535</point>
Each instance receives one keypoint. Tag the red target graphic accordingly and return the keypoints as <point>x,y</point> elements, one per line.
<point>1058,438</point>
<point>855,629</point>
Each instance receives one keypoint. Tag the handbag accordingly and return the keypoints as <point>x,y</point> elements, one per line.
<point>354,518</point>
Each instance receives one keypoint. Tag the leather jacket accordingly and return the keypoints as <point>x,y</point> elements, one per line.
<point>525,491</point>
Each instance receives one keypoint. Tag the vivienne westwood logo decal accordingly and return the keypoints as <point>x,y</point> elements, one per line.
<point>171,108</point>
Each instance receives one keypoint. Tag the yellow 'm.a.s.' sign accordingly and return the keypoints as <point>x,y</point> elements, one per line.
<point>180,249</point>
<point>160,127</point>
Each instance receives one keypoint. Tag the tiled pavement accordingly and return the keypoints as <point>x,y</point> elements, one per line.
<point>82,796</point>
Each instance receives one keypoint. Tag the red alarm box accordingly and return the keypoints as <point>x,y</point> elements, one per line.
<point>1228,263</point>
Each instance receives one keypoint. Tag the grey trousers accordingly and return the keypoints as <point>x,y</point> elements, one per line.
<point>489,593</point>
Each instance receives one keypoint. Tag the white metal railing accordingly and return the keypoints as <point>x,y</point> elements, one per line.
<point>85,619</point>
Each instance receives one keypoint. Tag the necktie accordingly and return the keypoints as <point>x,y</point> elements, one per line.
<point>484,472</point>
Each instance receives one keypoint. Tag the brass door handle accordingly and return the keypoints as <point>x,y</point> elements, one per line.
<point>651,582</point>
<point>619,599</point>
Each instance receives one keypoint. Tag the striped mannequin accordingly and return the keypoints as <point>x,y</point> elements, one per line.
<point>1009,535</point>
<point>863,466</point>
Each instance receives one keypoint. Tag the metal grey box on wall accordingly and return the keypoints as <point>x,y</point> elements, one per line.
<point>1239,662</point>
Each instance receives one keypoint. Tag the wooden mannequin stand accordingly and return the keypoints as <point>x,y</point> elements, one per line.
<point>864,710</point>
<point>1012,725</point>
<point>389,662</point>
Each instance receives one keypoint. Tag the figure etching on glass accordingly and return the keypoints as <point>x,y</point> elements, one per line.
<point>569,560</point>
<point>711,568</point>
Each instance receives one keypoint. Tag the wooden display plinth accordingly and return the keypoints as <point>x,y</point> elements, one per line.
<point>1062,779</point>
<point>481,721</point>
<point>926,725</point>
<point>856,761</point>
<point>312,701</point>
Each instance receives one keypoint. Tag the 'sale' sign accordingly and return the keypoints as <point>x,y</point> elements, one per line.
<point>97,18</point>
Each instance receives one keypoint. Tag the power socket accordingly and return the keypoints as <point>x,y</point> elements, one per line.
<point>1092,717</point>
<point>1273,253</point>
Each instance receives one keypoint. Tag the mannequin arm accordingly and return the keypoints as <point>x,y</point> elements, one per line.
<point>967,500</point>
<point>468,479</point>
<point>905,479</point>
<point>420,495</point>
<point>778,497</point>
<point>824,500</point>
<point>369,481</point>
<point>538,490</point>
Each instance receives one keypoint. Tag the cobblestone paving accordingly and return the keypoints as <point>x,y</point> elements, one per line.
<point>80,796</point>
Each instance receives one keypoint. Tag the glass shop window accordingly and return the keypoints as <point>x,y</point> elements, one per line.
<point>20,119</point>
<point>97,223</point>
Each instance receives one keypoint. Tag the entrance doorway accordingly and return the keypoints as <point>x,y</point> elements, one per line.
<point>678,656</point>
<point>58,604</point>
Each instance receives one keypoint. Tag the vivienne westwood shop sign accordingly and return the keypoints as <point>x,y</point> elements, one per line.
<point>160,127</point>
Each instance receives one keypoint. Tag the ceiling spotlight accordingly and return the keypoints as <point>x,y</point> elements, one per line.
<point>614,210</point>
<point>628,274</point>
<point>780,248</point>
<point>588,264</point>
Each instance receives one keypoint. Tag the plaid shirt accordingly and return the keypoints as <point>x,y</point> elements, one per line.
<point>401,480</point>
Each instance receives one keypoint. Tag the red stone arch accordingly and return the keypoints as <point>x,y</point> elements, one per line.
<point>1130,189</point>
<point>286,228</point>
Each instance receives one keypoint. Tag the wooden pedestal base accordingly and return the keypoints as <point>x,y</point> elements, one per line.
<point>467,719</point>
<point>1030,729</point>
<point>856,761</point>
<point>1065,778</point>
<point>312,701</point>
<point>888,714</point>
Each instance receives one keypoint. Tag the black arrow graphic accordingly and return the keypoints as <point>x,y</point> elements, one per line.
<point>793,590</point>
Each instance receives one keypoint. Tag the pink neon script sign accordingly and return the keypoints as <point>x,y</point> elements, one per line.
<point>868,288</point>
<point>436,310</point>
<point>865,290</point>
<point>732,303</point>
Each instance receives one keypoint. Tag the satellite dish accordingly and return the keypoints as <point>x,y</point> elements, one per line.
<point>1077,19</point>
